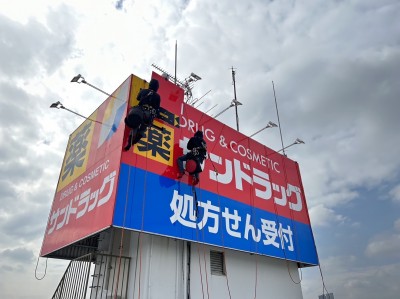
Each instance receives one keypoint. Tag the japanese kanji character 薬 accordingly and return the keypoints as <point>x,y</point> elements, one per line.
<point>76,151</point>
<point>157,143</point>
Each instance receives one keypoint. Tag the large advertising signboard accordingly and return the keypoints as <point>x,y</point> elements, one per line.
<point>249,198</point>
<point>85,195</point>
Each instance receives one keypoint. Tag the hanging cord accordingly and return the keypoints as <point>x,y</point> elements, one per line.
<point>256,282</point>
<point>286,181</point>
<point>222,234</point>
<point>125,208</point>
<point>143,209</point>
<point>198,243</point>
<point>252,201</point>
<point>201,274</point>
<point>37,262</point>
<point>204,252</point>
<point>196,206</point>
<point>123,229</point>
<point>223,240</point>
<point>312,234</point>
<point>277,220</point>
<point>45,269</point>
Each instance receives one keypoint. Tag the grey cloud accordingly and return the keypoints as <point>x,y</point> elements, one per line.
<point>27,224</point>
<point>20,255</point>
<point>119,4</point>
<point>34,46</point>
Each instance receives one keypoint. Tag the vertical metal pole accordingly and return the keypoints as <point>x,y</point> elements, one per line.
<point>176,58</point>
<point>279,122</point>
<point>236,108</point>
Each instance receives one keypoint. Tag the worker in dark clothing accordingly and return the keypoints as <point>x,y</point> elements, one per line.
<point>140,117</point>
<point>198,153</point>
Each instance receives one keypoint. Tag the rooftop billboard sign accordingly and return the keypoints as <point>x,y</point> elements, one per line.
<point>84,200</point>
<point>250,198</point>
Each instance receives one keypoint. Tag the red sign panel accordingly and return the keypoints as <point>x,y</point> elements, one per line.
<point>85,196</point>
<point>238,167</point>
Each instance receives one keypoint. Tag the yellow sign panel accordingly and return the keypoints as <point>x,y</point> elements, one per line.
<point>136,85</point>
<point>158,144</point>
<point>77,154</point>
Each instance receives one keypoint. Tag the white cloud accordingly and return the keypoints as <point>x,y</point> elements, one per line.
<point>395,193</point>
<point>321,215</point>
<point>397,225</point>
<point>335,66</point>
<point>385,244</point>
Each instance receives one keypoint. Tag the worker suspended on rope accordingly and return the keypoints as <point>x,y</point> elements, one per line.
<point>198,153</point>
<point>140,117</point>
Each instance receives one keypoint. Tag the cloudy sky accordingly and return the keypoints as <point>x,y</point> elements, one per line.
<point>335,66</point>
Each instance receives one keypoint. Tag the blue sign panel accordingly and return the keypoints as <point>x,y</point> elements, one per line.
<point>160,205</point>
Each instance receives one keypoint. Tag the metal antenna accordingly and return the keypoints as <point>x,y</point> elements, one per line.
<point>196,100</point>
<point>211,108</point>
<point>176,58</point>
<point>167,75</point>
<point>186,85</point>
<point>235,101</point>
<point>279,123</point>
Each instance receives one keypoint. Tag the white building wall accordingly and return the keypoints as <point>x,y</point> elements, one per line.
<point>247,276</point>
<point>159,269</point>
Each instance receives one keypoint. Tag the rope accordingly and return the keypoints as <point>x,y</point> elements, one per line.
<point>204,253</point>
<point>122,231</point>
<point>197,238</point>
<point>143,209</point>
<point>252,200</point>
<point>222,234</point>
<point>201,275</point>
<point>125,210</point>
<point>312,234</point>
<point>45,269</point>
<point>291,217</point>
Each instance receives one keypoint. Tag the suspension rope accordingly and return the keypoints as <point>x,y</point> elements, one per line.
<point>312,234</point>
<point>277,220</point>
<point>143,209</point>
<point>201,246</point>
<point>45,269</point>
<point>252,205</point>
<point>123,228</point>
<point>198,242</point>
<point>222,234</point>
<point>130,141</point>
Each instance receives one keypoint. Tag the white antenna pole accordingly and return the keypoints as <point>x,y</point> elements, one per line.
<point>279,123</point>
<point>235,99</point>
<point>176,58</point>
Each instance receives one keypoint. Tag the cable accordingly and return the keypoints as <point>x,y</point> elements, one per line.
<point>222,234</point>
<point>286,181</point>
<point>124,219</point>
<point>45,269</point>
<point>143,209</point>
<point>291,218</point>
<point>312,234</point>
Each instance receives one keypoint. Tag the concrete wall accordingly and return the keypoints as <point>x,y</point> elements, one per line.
<point>160,269</point>
<point>247,276</point>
